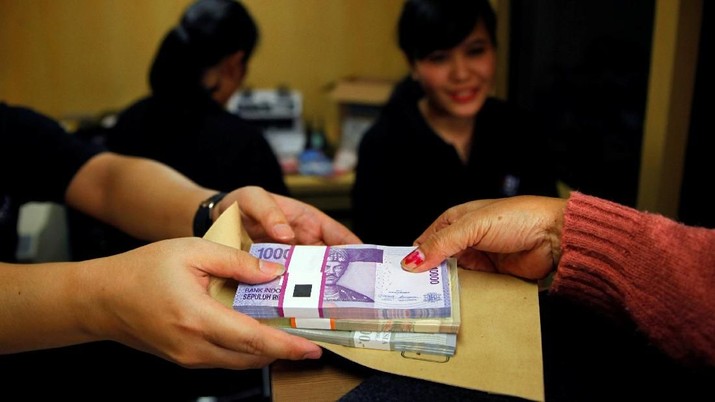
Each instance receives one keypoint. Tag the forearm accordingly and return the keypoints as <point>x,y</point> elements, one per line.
<point>657,271</point>
<point>144,198</point>
<point>43,306</point>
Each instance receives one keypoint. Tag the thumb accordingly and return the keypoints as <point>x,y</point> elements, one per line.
<point>228,262</point>
<point>441,245</point>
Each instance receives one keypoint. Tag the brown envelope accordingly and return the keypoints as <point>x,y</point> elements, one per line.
<point>498,345</point>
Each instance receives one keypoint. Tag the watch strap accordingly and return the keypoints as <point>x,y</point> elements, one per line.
<point>202,218</point>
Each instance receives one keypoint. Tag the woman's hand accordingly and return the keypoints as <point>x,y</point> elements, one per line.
<point>519,235</point>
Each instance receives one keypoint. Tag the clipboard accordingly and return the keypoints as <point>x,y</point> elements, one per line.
<point>498,344</point>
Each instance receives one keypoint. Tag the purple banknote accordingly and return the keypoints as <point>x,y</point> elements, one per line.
<point>355,281</point>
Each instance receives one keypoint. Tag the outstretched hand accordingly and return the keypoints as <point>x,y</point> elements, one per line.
<point>519,235</point>
<point>271,217</point>
<point>156,299</point>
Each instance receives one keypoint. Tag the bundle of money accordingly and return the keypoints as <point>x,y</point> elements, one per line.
<point>447,325</point>
<point>431,343</point>
<point>345,282</point>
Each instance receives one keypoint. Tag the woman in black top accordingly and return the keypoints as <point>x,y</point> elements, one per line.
<point>442,127</point>
<point>183,123</point>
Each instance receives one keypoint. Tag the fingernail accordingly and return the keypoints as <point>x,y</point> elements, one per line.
<point>412,260</point>
<point>283,231</point>
<point>272,268</point>
<point>315,354</point>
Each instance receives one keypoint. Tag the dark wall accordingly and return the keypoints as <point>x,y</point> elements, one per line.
<point>697,205</point>
<point>582,66</point>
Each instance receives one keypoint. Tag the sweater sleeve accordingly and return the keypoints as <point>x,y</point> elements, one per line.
<point>658,272</point>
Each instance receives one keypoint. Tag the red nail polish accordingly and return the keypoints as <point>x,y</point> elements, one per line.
<point>414,259</point>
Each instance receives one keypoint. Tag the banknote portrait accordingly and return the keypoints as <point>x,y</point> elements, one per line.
<point>337,266</point>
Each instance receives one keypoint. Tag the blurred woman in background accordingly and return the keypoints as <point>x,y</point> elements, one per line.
<point>199,65</point>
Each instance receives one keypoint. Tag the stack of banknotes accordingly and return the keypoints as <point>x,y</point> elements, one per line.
<point>358,296</point>
<point>430,343</point>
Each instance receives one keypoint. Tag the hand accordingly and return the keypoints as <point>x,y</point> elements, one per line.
<point>156,299</point>
<point>519,235</point>
<point>272,217</point>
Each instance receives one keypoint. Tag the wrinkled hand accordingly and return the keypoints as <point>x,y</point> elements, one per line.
<point>271,217</point>
<point>156,299</point>
<point>519,235</point>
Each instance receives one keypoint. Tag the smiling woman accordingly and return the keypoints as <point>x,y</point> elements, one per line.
<point>443,126</point>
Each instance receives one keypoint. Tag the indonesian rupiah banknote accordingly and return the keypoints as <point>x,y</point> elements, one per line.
<point>356,281</point>
<point>426,325</point>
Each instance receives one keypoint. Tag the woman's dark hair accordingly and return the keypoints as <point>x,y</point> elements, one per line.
<point>429,25</point>
<point>209,30</point>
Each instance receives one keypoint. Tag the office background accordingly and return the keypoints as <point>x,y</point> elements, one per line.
<point>81,57</point>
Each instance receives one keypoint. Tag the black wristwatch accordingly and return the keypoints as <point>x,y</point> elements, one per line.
<point>202,219</point>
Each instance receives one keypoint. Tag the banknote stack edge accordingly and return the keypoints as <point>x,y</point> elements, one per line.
<point>418,329</point>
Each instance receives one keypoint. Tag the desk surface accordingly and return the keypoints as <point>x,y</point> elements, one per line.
<point>302,184</point>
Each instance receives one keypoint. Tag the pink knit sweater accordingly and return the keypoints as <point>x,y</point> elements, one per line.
<point>659,272</point>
